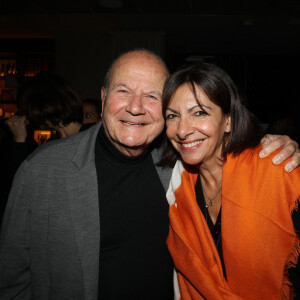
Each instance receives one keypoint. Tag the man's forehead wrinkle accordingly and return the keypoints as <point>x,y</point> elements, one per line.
<point>118,84</point>
<point>150,81</point>
<point>115,85</point>
<point>155,92</point>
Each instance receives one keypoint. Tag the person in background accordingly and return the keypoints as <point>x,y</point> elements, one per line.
<point>234,219</point>
<point>46,102</point>
<point>87,216</point>
<point>6,141</point>
<point>21,142</point>
<point>91,111</point>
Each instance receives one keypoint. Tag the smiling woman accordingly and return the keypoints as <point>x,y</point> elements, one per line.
<point>195,131</point>
<point>235,254</point>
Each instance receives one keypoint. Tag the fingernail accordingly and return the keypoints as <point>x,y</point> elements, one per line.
<point>288,168</point>
<point>262,154</point>
<point>275,160</point>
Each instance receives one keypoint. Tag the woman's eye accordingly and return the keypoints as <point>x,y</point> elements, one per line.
<point>170,116</point>
<point>88,116</point>
<point>200,113</point>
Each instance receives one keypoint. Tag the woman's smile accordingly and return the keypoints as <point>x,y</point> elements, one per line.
<point>188,146</point>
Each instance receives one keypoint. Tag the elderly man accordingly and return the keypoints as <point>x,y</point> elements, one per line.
<point>87,216</point>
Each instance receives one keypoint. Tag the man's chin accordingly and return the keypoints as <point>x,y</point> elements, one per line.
<point>133,147</point>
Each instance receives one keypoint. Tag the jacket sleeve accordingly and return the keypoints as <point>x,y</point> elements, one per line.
<point>15,240</point>
<point>18,153</point>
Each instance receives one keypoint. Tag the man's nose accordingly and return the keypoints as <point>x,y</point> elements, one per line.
<point>185,128</point>
<point>135,105</point>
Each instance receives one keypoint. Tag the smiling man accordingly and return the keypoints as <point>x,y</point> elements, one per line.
<point>132,102</point>
<point>87,216</point>
<point>134,262</point>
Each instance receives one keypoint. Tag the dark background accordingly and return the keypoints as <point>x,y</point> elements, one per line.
<point>257,42</point>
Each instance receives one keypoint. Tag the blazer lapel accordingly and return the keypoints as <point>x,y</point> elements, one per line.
<point>163,173</point>
<point>82,187</point>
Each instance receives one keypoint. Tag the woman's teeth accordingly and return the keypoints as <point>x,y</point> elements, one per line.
<point>189,145</point>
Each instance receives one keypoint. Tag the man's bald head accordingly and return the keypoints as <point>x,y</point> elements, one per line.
<point>139,53</point>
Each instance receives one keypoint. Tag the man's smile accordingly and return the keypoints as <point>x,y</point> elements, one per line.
<point>133,123</point>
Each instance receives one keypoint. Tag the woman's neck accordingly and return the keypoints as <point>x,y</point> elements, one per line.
<point>211,179</point>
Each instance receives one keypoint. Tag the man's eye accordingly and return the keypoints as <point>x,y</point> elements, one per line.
<point>152,97</point>
<point>88,116</point>
<point>122,91</point>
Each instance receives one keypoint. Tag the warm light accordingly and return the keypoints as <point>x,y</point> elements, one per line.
<point>42,136</point>
<point>8,115</point>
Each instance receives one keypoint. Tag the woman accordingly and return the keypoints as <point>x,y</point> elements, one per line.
<point>91,111</point>
<point>244,249</point>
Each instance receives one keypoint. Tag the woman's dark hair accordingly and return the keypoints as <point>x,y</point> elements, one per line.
<point>48,98</point>
<point>220,89</point>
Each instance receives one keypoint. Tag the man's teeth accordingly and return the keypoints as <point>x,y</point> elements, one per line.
<point>192,144</point>
<point>134,124</point>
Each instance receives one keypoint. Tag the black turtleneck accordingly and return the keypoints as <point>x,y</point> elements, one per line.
<point>134,260</point>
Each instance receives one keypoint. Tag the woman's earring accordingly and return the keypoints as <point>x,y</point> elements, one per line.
<point>227,129</point>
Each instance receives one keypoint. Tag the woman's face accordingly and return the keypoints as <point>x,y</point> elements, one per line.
<point>90,115</point>
<point>196,134</point>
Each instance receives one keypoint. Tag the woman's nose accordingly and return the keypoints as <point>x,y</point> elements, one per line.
<point>185,128</point>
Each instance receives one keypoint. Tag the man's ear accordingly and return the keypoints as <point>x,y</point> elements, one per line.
<point>228,123</point>
<point>103,96</point>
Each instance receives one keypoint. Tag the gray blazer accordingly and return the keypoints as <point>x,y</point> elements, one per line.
<point>50,236</point>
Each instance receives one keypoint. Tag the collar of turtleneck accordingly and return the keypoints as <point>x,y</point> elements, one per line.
<point>111,153</point>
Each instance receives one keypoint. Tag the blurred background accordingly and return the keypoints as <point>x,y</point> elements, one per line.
<point>257,42</point>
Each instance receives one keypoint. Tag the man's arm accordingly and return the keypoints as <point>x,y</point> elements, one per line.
<point>15,241</point>
<point>271,143</point>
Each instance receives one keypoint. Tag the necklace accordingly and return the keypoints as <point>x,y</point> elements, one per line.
<point>211,200</point>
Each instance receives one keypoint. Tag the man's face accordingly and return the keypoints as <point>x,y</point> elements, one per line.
<point>132,108</point>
